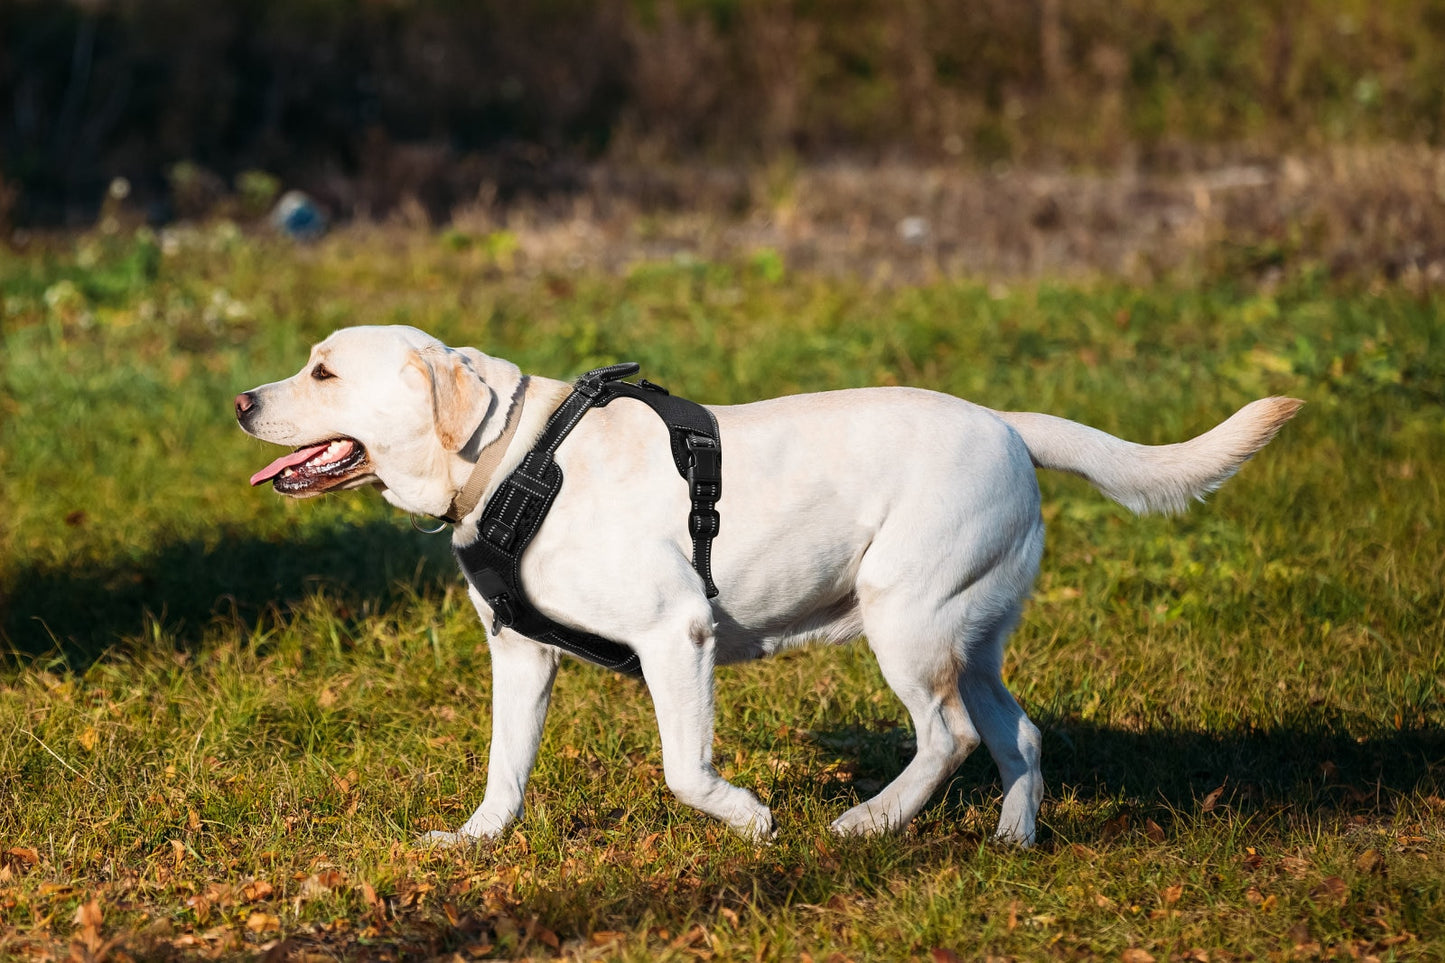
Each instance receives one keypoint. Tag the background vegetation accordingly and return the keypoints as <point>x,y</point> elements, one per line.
<point>366,103</point>
<point>225,715</point>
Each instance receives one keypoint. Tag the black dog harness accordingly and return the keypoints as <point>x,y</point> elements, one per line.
<point>493,561</point>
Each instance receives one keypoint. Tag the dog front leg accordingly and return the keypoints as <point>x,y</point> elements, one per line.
<point>679,676</point>
<point>522,676</point>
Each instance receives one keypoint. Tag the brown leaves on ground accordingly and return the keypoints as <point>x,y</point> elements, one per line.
<point>1370,862</point>
<point>88,919</point>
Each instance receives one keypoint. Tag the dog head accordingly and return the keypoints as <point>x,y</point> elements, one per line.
<point>389,407</point>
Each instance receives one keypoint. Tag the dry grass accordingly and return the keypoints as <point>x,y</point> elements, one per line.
<point>1365,213</point>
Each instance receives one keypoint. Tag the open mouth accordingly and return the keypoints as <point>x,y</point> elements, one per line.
<point>315,468</point>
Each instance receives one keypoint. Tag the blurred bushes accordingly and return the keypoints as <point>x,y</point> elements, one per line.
<point>368,103</point>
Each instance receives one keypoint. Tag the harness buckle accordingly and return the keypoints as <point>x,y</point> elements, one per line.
<point>704,474</point>
<point>704,523</point>
<point>503,615</point>
<point>500,534</point>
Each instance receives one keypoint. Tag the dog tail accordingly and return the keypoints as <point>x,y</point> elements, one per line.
<point>1152,478</point>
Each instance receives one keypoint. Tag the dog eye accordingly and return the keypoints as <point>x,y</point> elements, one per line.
<point>322,373</point>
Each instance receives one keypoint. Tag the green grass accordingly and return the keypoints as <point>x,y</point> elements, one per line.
<point>225,715</point>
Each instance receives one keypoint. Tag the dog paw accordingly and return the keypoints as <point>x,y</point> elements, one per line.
<point>760,830</point>
<point>862,820</point>
<point>436,839</point>
<point>1013,836</point>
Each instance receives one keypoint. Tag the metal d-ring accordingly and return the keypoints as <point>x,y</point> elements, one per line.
<point>441,526</point>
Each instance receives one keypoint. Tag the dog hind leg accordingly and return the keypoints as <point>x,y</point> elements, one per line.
<point>1012,740</point>
<point>945,735</point>
<point>922,668</point>
<point>943,660</point>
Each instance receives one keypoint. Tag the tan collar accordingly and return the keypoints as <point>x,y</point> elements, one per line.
<point>487,460</point>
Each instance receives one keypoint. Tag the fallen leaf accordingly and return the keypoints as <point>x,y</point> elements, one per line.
<point>546,936</point>
<point>261,922</point>
<point>1171,894</point>
<point>331,878</point>
<point>24,854</point>
<point>201,907</point>
<point>257,889</point>
<point>1296,866</point>
<point>1370,861</point>
<point>88,738</point>
<point>1331,887</point>
<point>692,937</point>
<point>1135,955</point>
<point>88,918</point>
<point>319,884</point>
<point>605,937</point>
<point>940,955</point>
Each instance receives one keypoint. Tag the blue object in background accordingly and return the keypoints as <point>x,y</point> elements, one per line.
<point>299,217</point>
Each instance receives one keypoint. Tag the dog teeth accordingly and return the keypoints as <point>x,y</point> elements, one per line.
<point>335,450</point>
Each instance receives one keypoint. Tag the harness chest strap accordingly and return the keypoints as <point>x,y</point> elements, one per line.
<point>492,561</point>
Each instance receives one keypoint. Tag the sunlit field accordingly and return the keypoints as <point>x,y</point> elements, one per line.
<point>225,716</point>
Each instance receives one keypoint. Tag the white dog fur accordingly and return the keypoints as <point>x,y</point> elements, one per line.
<point>906,516</point>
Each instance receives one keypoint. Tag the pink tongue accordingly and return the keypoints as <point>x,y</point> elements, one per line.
<point>286,461</point>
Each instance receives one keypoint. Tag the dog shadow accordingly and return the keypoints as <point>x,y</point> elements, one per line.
<point>1108,787</point>
<point>1311,764</point>
<point>74,613</point>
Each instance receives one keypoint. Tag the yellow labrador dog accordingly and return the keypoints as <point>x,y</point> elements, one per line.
<point>904,515</point>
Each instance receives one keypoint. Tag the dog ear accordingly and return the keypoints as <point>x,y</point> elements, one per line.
<point>460,399</point>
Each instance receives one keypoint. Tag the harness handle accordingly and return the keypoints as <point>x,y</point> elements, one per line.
<point>592,383</point>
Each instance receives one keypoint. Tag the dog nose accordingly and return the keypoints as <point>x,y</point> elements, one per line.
<point>245,401</point>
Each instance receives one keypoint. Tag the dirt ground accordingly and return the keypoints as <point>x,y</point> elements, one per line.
<point>1376,213</point>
